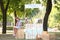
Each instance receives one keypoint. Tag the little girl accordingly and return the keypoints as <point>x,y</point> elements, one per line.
<point>17,26</point>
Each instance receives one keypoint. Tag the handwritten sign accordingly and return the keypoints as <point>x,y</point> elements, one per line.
<point>32,30</point>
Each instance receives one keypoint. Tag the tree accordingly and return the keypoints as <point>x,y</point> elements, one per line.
<point>48,10</point>
<point>14,6</point>
<point>4,11</point>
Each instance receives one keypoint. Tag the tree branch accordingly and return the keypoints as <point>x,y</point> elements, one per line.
<point>7,5</point>
<point>2,6</point>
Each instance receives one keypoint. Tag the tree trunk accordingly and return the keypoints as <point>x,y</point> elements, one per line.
<point>15,16</point>
<point>4,22</point>
<point>48,10</point>
<point>4,11</point>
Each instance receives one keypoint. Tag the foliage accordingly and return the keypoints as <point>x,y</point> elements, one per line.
<point>57,17</point>
<point>18,6</point>
<point>15,5</point>
<point>0,16</point>
<point>54,19</point>
<point>9,18</point>
<point>38,2</point>
<point>31,12</point>
<point>9,28</point>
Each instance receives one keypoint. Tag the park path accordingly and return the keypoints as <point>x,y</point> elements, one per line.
<point>11,37</point>
<point>8,37</point>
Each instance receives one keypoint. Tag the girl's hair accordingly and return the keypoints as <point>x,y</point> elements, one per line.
<point>17,18</point>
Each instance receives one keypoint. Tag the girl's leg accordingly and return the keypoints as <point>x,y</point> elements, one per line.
<point>15,31</point>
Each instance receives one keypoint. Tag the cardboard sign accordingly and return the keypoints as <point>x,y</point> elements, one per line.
<point>32,30</point>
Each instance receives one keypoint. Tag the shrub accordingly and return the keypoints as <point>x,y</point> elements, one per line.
<point>9,28</point>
